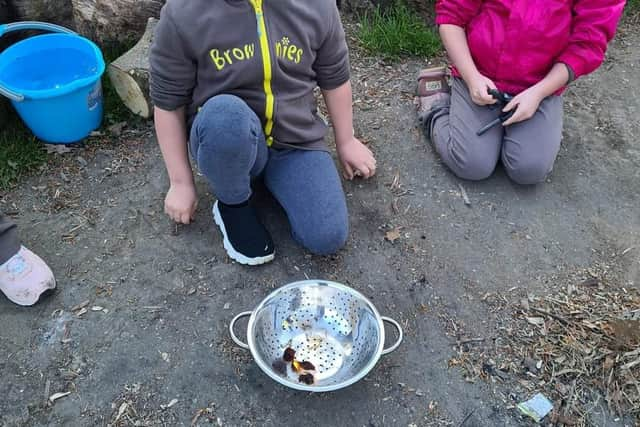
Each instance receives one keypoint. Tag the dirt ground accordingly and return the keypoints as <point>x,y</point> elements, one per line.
<point>168,293</point>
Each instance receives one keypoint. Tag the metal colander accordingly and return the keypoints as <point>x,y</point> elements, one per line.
<point>330,325</point>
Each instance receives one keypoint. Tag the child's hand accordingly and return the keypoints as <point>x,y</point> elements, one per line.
<point>479,87</point>
<point>181,203</point>
<point>526,104</point>
<point>356,159</point>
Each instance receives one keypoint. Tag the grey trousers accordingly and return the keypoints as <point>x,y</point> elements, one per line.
<point>527,149</point>
<point>9,243</point>
<point>229,147</point>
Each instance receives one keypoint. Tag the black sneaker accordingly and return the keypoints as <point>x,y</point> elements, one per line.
<point>245,238</point>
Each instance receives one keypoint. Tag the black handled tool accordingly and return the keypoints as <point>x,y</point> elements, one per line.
<point>503,99</point>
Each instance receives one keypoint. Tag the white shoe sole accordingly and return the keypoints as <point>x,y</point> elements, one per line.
<point>235,255</point>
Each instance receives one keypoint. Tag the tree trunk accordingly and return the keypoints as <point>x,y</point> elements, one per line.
<point>114,20</point>
<point>6,11</point>
<point>129,74</point>
<point>54,11</point>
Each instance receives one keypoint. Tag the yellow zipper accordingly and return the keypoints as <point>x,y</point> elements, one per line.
<point>266,64</point>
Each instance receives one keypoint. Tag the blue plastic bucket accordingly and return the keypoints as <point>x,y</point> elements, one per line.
<point>53,81</point>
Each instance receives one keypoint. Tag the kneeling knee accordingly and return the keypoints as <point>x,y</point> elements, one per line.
<point>225,121</point>
<point>475,169</point>
<point>326,241</point>
<point>224,105</point>
<point>223,113</point>
<point>528,173</point>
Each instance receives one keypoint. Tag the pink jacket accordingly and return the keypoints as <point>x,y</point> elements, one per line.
<point>516,42</point>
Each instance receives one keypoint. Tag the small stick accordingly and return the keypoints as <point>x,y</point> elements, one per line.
<point>553,316</point>
<point>630,365</point>
<point>573,394</point>
<point>47,386</point>
<point>627,250</point>
<point>471,340</point>
<point>467,417</point>
<point>465,197</point>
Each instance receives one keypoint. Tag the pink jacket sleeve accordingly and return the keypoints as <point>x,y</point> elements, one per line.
<point>456,12</point>
<point>593,26</point>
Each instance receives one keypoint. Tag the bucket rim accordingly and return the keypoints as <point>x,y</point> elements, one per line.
<point>35,94</point>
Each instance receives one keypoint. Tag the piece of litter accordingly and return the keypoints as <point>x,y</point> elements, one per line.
<point>165,356</point>
<point>57,396</point>
<point>465,196</point>
<point>81,312</point>
<point>170,404</point>
<point>227,306</point>
<point>97,308</point>
<point>537,407</point>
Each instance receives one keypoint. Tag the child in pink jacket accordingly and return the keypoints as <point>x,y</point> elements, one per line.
<point>512,59</point>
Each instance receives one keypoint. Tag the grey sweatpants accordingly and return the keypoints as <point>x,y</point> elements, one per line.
<point>527,149</point>
<point>9,243</point>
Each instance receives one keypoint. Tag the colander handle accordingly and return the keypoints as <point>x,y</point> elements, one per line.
<point>232,326</point>
<point>396,344</point>
<point>27,25</point>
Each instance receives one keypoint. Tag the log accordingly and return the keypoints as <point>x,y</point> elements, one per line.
<point>129,74</point>
<point>109,21</point>
<point>123,21</point>
<point>6,11</point>
<point>53,11</point>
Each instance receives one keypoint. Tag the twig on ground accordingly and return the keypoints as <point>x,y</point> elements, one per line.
<point>465,196</point>
<point>467,417</point>
<point>553,316</point>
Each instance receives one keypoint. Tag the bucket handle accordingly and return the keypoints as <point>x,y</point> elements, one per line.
<point>27,25</point>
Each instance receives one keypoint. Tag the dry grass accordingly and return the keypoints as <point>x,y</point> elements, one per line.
<point>580,346</point>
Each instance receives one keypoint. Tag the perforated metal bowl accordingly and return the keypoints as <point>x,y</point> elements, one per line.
<point>328,324</point>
